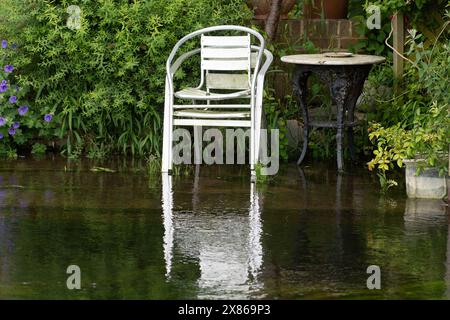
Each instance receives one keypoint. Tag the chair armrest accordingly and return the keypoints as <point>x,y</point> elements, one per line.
<point>176,65</point>
<point>261,75</point>
<point>266,65</point>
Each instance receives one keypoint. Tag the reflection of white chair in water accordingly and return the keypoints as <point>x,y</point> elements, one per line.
<point>231,68</point>
<point>227,248</point>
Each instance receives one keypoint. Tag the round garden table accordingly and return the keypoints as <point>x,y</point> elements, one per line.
<point>345,75</point>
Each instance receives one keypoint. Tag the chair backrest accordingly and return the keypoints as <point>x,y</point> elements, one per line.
<point>223,58</point>
<point>224,55</point>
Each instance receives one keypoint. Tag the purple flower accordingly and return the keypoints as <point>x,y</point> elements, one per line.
<point>2,121</point>
<point>22,110</point>
<point>14,46</point>
<point>1,136</point>
<point>3,86</point>
<point>48,117</point>
<point>11,131</point>
<point>16,125</point>
<point>13,99</point>
<point>4,44</point>
<point>9,68</point>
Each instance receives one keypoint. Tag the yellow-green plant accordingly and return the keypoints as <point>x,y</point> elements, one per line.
<point>424,132</point>
<point>427,140</point>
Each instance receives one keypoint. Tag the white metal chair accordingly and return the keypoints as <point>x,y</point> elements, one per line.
<point>231,68</point>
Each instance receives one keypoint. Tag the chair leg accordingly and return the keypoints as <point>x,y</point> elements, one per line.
<point>258,134</point>
<point>171,143</point>
<point>166,164</point>
<point>167,148</point>
<point>252,142</point>
<point>256,147</point>
<point>198,144</point>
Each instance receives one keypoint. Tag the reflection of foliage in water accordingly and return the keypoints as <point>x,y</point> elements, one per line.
<point>319,233</point>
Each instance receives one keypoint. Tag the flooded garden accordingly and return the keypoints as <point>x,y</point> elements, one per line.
<point>212,234</point>
<point>116,181</point>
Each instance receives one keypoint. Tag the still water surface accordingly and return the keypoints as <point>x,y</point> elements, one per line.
<point>310,234</point>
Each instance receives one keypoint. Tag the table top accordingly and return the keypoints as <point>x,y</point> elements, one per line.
<point>321,59</point>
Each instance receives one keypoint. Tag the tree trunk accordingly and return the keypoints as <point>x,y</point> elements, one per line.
<point>272,19</point>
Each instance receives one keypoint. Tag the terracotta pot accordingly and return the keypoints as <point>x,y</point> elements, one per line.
<point>261,8</point>
<point>328,9</point>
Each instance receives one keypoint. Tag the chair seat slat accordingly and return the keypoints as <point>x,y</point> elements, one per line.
<point>212,123</point>
<point>211,106</point>
<point>198,94</point>
<point>210,114</point>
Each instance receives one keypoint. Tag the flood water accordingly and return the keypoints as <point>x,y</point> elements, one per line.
<point>309,234</point>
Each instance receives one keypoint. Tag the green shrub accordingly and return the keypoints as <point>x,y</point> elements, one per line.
<point>424,129</point>
<point>39,149</point>
<point>424,15</point>
<point>104,82</point>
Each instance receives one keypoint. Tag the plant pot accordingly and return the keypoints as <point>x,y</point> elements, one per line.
<point>261,8</point>
<point>327,9</point>
<point>427,185</point>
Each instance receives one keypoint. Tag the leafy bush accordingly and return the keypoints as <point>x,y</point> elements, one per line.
<point>38,149</point>
<point>428,140</point>
<point>104,81</point>
<point>424,15</point>
<point>424,130</point>
<point>275,116</point>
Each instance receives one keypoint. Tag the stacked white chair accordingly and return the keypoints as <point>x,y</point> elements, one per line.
<point>231,68</point>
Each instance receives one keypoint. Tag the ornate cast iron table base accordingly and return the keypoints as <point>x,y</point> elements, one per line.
<point>345,83</point>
